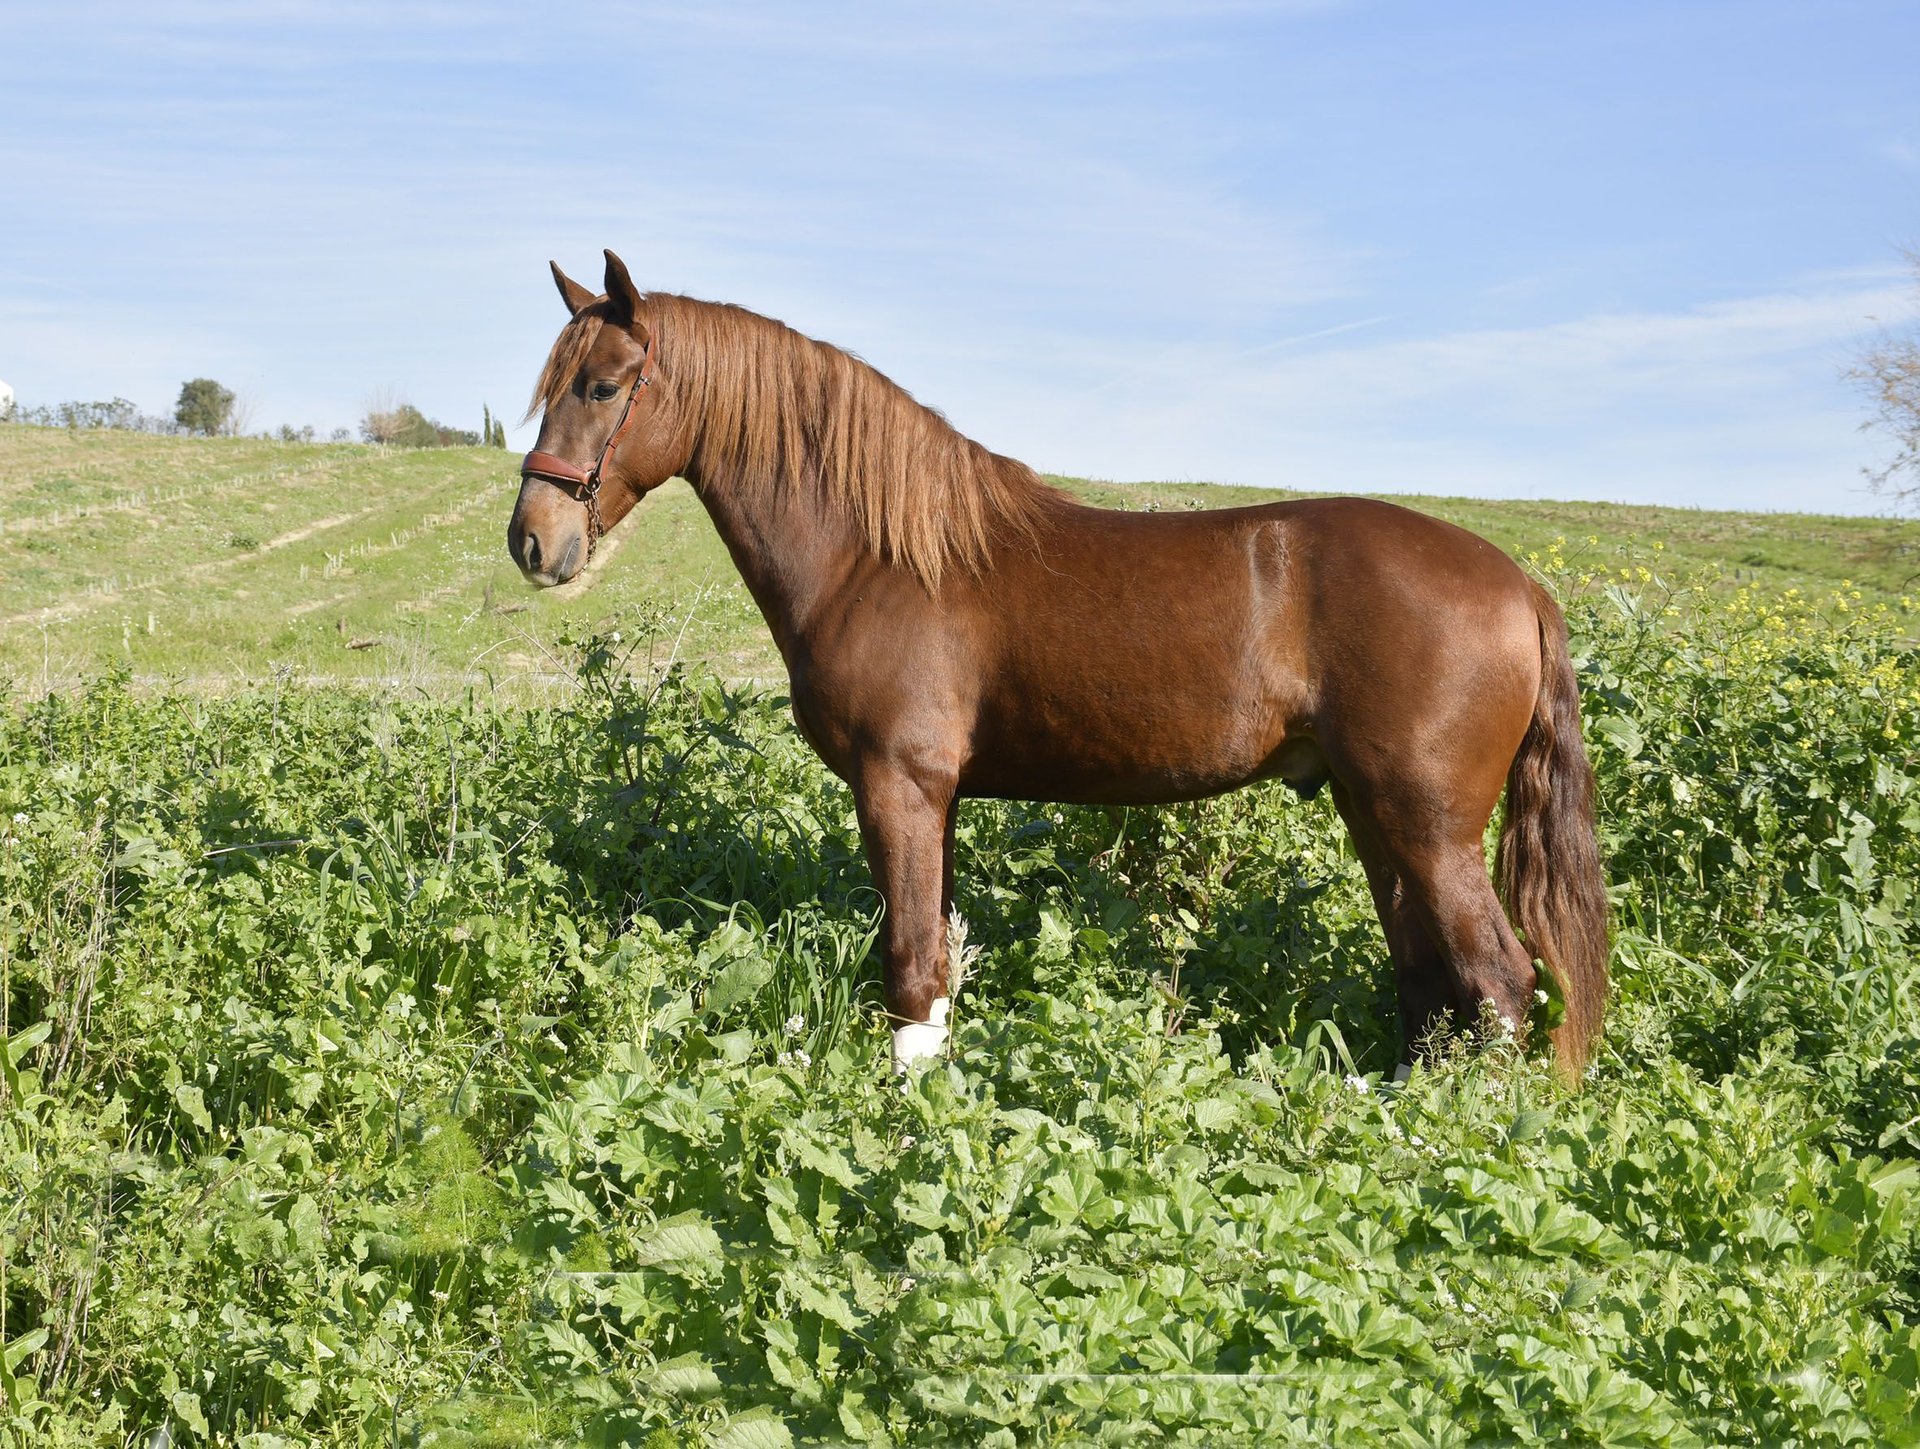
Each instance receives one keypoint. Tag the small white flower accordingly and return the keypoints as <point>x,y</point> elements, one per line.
<point>908,1141</point>
<point>1360,1085</point>
<point>795,1058</point>
<point>795,1024</point>
<point>906,1285</point>
<point>19,817</point>
<point>615,636</point>
<point>1506,1022</point>
<point>1540,995</point>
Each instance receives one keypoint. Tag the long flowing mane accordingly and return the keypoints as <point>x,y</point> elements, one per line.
<point>768,407</point>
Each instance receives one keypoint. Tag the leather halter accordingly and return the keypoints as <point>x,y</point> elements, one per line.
<point>584,483</point>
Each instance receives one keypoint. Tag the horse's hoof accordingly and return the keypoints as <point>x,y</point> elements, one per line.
<point>921,1041</point>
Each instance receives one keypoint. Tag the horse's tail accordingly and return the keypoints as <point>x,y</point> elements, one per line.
<point>1548,864</point>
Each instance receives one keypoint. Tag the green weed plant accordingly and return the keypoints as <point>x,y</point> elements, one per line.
<point>389,1070</point>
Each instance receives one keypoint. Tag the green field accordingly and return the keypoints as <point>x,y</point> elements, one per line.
<point>216,562</point>
<point>459,1064</point>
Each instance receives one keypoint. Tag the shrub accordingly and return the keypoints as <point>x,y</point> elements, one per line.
<point>405,426</point>
<point>204,407</point>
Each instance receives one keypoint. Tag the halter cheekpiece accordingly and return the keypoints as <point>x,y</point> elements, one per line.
<point>584,483</point>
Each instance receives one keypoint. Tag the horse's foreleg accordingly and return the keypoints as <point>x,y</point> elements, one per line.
<point>906,825</point>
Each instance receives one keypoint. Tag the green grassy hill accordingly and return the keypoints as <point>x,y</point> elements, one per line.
<point>218,561</point>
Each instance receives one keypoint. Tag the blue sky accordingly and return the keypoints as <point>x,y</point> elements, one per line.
<point>1606,251</point>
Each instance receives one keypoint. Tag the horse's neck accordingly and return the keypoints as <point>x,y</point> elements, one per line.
<point>791,548</point>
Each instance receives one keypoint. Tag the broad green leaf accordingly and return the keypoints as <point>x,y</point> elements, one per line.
<point>1622,733</point>
<point>751,1431</point>
<point>738,982</point>
<point>191,1101</point>
<point>687,1377</point>
<point>686,1246</point>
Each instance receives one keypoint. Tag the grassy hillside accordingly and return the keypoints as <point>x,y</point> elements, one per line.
<point>218,561</point>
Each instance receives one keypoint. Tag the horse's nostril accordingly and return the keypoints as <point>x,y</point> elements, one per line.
<point>530,553</point>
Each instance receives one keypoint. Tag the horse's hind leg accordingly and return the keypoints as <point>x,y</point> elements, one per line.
<point>1456,951</point>
<point>1420,980</point>
<point>1446,883</point>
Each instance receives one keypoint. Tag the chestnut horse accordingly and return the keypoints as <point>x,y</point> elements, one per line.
<point>954,627</point>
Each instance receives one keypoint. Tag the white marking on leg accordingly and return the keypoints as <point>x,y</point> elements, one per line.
<point>919,1041</point>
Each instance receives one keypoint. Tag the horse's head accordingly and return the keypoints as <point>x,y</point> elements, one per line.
<point>601,447</point>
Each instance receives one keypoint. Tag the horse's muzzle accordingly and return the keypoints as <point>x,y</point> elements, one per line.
<point>546,562</point>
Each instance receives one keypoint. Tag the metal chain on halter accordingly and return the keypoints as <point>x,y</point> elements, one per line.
<point>550,468</point>
<point>594,527</point>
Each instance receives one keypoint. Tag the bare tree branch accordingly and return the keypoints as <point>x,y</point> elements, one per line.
<point>1887,373</point>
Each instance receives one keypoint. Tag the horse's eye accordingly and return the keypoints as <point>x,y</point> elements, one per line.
<point>604,391</point>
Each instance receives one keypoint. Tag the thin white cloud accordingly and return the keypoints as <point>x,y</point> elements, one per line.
<point>1731,404</point>
<point>987,37</point>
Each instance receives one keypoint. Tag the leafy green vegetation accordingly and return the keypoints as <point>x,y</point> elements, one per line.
<point>400,1067</point>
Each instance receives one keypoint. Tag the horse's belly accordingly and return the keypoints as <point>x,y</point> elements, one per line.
<point>1112,754</point>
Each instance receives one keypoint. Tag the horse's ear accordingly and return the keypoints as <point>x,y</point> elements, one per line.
<point>622,296</point>
<point>571,292</point>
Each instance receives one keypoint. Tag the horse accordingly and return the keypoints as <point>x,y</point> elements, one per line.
<point>954,627</point>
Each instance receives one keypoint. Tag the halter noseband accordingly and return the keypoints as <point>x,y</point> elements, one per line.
<point>584,483</point>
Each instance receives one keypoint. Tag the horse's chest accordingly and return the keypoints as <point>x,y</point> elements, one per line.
<point>822,729</point>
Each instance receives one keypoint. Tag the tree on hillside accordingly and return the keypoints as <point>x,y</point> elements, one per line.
<point>1888,373</point>
<point>204,406</point>
<point>402,425</point>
